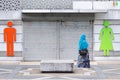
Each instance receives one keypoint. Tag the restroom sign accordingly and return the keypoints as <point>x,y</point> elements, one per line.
<point>115,3</point>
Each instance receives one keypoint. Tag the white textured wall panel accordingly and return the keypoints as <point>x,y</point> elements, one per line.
<point>17,47</point>
<point>105,5</point>
<point>114,14</point>
<point>96,46</point>
<point>102,4</point>
<point>115,28</point>
<point>95,5</point>
<point>19,38</point>
<point>10,15</point>
<point>100,22</point>
<point>15,22</point>
<point>82,5</point>
<point>111,14</point>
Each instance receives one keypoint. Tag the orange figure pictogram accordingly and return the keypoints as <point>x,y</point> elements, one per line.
<point>10,38</point>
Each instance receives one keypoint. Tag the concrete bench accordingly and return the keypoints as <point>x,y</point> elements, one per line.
<point>56,66</point>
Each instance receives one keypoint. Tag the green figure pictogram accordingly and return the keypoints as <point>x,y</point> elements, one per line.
<point>106,37</point>
<point>117,3</point>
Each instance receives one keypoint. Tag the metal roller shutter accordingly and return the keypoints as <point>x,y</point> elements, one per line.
<point>39,40</point>
<point>55,36</point>
<point>54,40</point>
<point>69,35</point>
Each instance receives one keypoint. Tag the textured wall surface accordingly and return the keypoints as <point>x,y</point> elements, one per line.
<point>8,5</point>
<point>11,10</point>
<point>48,4</point>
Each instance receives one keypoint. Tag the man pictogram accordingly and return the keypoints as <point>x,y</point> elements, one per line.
<point>10,38</point>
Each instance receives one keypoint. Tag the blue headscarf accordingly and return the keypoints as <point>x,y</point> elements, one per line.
<point>83,44</point>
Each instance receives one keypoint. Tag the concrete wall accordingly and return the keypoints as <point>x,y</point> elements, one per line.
<point>11,10</point>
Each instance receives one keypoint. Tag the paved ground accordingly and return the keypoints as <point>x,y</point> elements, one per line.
<point>30,70</point>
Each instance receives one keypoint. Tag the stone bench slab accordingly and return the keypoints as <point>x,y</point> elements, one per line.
<point>56,66</point>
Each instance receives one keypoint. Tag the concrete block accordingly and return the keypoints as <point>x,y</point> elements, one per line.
<point>56,66</point>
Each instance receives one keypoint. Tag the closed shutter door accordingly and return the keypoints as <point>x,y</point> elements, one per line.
<point>39,40</point>
<point>69,35</point>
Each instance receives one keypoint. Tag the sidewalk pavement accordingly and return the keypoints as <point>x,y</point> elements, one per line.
<point>32,63</point>
<point>104,70</point>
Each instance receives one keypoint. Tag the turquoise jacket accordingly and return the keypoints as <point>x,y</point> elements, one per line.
<point>82,44</point>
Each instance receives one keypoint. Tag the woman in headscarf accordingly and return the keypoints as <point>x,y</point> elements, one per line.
<point>83,60</point>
